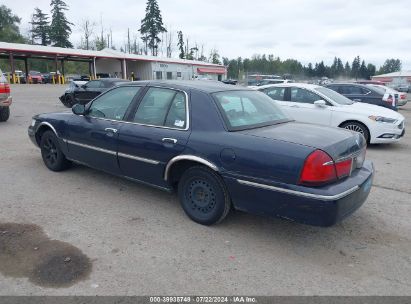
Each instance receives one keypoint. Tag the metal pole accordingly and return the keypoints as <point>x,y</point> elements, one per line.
<point>94,68</point>
<point>12,66</point>
<point>26,70</point>
<point>125,69</point>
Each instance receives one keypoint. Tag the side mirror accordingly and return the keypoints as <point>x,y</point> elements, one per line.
<point>320,103</point>
<point>84,86</point>
<point>79,109</point>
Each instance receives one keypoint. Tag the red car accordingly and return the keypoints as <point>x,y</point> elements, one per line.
<point>35,77</point>
<point>5,98</point>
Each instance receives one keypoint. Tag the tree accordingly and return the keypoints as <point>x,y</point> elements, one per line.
<point>180,44</point>
<point>152,26</point>
<point>355,67</point>
<point>214,57</point>
<point>60,29</point>
<point>40,27</point>
<point>390,66</point>
<point>347,69</point>
<point>87,27</point>
<point>371,70</point>
<point>9,26</point>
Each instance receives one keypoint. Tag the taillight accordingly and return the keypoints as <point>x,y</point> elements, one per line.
<point>403,96</point>
<point>318,169</point>
<point>343,168</point>
<point>4,88</point>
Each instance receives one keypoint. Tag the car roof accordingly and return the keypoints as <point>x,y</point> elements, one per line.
<point>292,84</point>
<point>112,80</point>
<point>207,86</point>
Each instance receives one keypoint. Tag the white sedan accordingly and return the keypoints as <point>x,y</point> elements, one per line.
<point>316,104</point>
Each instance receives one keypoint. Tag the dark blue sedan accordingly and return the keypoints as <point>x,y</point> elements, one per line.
<point>218,146</point>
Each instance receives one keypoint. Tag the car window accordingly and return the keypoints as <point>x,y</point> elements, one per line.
<point>353,90</point>
<point>303,96</point>
<point>334,96</point>
<point>162,107</point>
<point>94,84</point>
<point>113,104</point>
<point>275,93</point>
<point>248,109</point>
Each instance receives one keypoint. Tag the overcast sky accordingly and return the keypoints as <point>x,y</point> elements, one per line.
<point>306,30</point>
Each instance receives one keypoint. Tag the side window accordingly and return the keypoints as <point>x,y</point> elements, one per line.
<point>162,107</point>
<point>353,90</point>
<point>113,105</point>
<point>303,96</point>
<point>275,93</point>
<point>94,84</point>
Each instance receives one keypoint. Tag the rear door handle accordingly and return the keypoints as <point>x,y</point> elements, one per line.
<point>111,130</point>
<point>168,140</point>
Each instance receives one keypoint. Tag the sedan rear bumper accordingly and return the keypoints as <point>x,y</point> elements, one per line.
<point>6,102</point>
<point>326,207</point>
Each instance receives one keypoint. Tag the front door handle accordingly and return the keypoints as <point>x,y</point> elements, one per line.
<point>168,140</point>
<point>294,106</point>
<point>357,99</point>
<point>111,130</point>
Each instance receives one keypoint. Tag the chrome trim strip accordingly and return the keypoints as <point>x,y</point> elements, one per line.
<point>91,147</point>
<point>299,193</point>
<point>142,159</point>
<point>45,123</point>
<point>188,157</point>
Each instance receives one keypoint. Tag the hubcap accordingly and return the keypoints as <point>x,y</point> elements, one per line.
<point>50,151</point>
<point>355,128</point>
<point>201,196</point>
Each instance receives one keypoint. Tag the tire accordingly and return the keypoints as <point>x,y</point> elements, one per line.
<point>203,196</point>
<point>53,157</point>
<point>357,127</point>
<point>4,113</point>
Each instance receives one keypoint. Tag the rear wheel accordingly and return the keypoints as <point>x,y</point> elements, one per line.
<point>4,113</point>
<point>357,127</point>
<point>203,195</point>
<point>53,157</point>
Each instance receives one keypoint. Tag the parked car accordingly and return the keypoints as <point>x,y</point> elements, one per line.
<point>19,74</point>
<point>219,146</point>
<point>5,98</point>
<point>363,93</point>
<point>230,81</point>
<point>35,77</point>
<point>316,104</point>
<point>270,81</point>
<point>401,98</point>
<point>78,92</point>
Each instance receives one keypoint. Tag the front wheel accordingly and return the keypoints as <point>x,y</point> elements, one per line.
<point>53,157</point>
<point>357,127</point>
<point>203,195</point>
<point>4,113</point>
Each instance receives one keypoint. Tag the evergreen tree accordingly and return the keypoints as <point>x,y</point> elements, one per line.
<point>347,69</point>
<point>390,65</point>
<point>180,45</point>
<point>363,71</point>
<point>9,26</point>
<point>214,57</point>
<point>60,29</point>
<point>355,67</point>
<point>40,27</point>
<point>371,70</point>
<point>152,26</point>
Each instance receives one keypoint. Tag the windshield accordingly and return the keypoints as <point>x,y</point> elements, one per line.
<point>248,109</point>
<point>334,96</point>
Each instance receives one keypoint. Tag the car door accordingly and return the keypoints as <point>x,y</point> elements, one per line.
<point>92,138</point>
<point>302,108</point>
<point>157,131</point>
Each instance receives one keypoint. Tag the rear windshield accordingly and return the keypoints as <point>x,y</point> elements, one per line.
<point>334,96</point>
<point>248,109</point>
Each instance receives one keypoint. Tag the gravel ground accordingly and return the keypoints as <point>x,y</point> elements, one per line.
<point>139,241</point>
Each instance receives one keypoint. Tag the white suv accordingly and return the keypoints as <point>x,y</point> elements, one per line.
<point>5,98</point>
<point>319,105</point>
